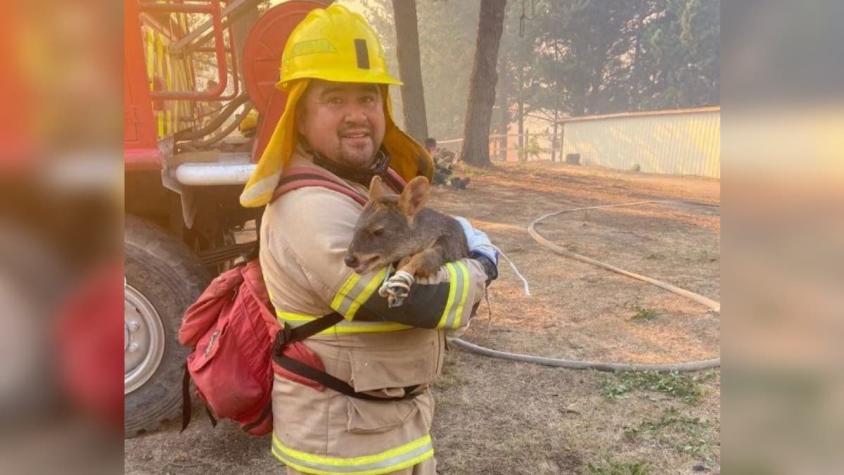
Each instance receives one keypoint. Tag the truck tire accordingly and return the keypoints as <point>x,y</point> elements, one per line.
<point>163,277</point>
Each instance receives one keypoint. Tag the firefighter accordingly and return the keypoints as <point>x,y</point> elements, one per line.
<point>443,166</point>
<point>337,117</point>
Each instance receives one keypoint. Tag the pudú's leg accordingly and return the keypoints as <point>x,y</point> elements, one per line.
<point>397,287</point>
<point>424,263</point>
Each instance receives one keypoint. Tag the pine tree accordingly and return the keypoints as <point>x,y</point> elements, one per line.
<point>482,82</point>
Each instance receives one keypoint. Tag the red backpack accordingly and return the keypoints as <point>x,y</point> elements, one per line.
<point>238,344</point>
<point>230,328</point>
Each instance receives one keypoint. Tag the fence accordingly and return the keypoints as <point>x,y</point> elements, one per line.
<point>681,142</point>
<point>676,142</point>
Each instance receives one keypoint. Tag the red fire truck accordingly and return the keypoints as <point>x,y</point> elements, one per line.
<point>199,106</point>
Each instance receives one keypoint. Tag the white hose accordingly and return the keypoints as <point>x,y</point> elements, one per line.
<point>600,366</point>
<point>713,305</point>
<point>513,266</point>
<point>576,364</point>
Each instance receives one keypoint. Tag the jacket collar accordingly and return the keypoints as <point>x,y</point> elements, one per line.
<point>357,175</point>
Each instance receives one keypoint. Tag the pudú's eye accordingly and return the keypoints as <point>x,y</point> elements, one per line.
<point>377,232</point>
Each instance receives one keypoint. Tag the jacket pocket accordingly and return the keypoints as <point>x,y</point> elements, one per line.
<point>377,369</point>
<point>371,417</point>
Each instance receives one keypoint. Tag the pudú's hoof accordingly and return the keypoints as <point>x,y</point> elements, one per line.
<point>396,288</point>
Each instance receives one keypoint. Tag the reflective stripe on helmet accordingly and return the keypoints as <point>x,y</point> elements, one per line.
<point>361,53</point>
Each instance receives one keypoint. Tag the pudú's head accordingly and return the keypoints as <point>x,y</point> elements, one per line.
<point>385,231</point>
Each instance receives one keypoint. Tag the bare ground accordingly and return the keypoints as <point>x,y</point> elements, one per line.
<point>501,417</point>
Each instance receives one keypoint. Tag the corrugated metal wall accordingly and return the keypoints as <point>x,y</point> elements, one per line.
<point>673,142</point>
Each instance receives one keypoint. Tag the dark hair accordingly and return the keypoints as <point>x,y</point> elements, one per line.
<point>430,142</point>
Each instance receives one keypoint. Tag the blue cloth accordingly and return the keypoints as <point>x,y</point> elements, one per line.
<point>480,247</point>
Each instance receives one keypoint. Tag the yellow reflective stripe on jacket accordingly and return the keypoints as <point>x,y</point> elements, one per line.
<point>354,292</point>
<point>464,293</point>
<point>342,328</point>
<point>392,460</point>
<point>294,318</point>
<point>458,277</point>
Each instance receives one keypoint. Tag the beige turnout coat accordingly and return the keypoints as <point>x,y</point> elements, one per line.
<point>304,235</point>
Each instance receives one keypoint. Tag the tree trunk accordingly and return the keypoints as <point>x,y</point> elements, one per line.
<point>505,128</point>
<point>520,109</point>
<point>482,84</point>
<point>524,156</point>
<point>410,69</point>
<point>503,120</point>
<point>554,136</point>
<point>521,139</point>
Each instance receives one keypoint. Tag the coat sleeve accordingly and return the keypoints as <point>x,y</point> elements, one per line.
<point>317,232</point>
<point>447,299</point>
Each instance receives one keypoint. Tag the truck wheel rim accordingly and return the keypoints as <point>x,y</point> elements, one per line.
<point>143,339</point>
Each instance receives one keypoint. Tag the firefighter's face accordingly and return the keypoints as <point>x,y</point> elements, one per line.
<point>342,121</point>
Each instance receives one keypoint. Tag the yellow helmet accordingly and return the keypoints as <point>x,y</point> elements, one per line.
<point>337,45</point>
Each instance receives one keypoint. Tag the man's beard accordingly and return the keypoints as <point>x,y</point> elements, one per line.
<point>360,174</point>
<point>357,147</point>
<point>357,158</point>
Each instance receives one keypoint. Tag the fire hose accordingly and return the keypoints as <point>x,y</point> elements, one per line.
<point>595,365</point>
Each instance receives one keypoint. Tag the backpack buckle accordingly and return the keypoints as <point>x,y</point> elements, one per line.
<point>282,338</point>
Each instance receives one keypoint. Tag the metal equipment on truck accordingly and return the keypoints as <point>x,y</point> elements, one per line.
<point>200,104</point>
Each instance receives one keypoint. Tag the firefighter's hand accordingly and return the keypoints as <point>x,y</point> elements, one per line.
<point>480,248</point>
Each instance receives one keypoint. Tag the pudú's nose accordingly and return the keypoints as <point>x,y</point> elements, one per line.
<point>350,260</point>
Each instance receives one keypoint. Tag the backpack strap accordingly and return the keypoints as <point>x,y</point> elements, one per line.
<point>291,335</point>
<point>187,409</point>
<point>301,177</point>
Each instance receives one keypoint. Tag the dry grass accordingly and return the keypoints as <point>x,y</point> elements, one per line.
<point>503,417</point>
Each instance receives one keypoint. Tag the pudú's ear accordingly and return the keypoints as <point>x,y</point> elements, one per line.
<point>414,196</point>
<point>376,188</point>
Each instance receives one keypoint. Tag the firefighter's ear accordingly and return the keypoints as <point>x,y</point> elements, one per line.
<point>414,196</point>
<point>376,188</point>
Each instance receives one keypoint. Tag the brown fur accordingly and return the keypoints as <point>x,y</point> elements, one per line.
<point>399,228</point>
